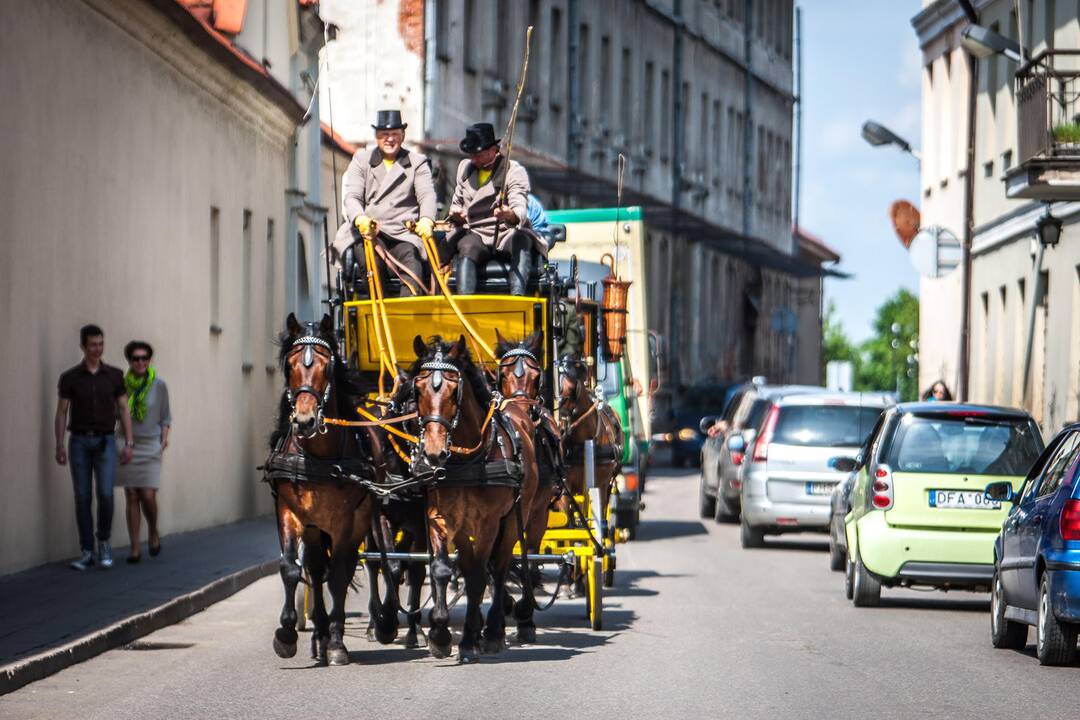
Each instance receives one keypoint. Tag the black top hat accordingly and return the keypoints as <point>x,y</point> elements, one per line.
<point>478,137</point>
<point>389,120</point>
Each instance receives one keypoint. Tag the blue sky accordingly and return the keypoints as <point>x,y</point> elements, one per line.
<point>860,61</point>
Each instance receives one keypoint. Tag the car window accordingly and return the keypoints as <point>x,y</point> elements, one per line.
<point>873,440</point>
<point>979,445</point>
<point>1059,462</point>
<point>756,414</point>
<point>824,425</point>
<point>738,418</point>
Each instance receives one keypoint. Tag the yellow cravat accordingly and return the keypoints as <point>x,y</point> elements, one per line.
<point>484,175</point>
<point>388,162</point>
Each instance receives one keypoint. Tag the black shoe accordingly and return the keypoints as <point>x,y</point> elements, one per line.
<point>465,269</point>
<point>155,550</point>
<point>133,559</point>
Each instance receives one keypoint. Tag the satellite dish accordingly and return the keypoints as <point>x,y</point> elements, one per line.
<point>935,252</point>
<point>906,220</point>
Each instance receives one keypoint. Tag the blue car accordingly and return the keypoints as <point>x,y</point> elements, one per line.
<point>1037,555</point>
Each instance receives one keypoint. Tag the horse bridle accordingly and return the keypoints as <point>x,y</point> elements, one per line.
<point>519,356</point>
<point>309,343</point>
<point>437,366</point>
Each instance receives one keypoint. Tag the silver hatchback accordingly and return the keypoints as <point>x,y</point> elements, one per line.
<point>789,474</point>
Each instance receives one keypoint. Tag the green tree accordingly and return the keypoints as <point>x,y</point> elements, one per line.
<point>885,363</point>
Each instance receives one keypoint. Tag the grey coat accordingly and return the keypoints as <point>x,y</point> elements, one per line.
<point>390,197</point>
<point>477,203</point>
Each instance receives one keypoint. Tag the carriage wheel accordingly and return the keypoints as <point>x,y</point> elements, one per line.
<point>596,593</point>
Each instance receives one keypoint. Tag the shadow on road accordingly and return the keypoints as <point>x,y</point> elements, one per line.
<point>935,603</point>
<point>792,544</point>
<point>666,529</point>
<point>627,583</point>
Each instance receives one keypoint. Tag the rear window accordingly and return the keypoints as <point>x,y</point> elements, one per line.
<point>973,445</point>
<point>757,414</point>
<point>825,425</point>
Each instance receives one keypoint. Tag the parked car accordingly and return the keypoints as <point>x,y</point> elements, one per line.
<point>839,507</point>
<point>723,453</point>
<point>1037,555</point>
<point>919,515</point>
<point>686,434</point>
<point>790,473</point>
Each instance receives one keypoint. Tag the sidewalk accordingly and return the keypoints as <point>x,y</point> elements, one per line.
<point>55,616</point>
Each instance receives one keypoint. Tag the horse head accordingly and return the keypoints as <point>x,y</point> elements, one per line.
<point>520,372</point>
<point>439,380</point>
<point>308,359</point>
<point>573,386</point>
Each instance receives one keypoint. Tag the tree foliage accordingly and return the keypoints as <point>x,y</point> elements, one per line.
<point>881,363</point>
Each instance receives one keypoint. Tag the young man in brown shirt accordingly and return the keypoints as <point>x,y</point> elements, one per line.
<point>95,395</point>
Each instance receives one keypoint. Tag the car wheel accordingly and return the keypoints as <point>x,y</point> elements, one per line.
<point>1055,640</point>
<point>849,579</point>
<point>1004,634</point>
<point>724,513</point>
<point>866,590</point>
<point>750,536</point>
<point>837,557</point>
<point>706,504</point>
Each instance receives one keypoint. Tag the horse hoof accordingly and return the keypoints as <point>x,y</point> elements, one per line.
<point>526,634</point>
<point>439,652</point>
<point>338,656</point>
<point>314,647</point>
<point>285,642</point>
<point>468,656</point>
<point>385,636</point>
<point>492,646</point>
<point>440,636</point>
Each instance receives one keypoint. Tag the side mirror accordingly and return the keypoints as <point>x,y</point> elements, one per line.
<point>706,422</point>
<point>736,444</point>
<point>1001,491</point>
<point>843,464</point>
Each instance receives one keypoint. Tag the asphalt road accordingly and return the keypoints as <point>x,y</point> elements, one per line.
<point>696,627</point>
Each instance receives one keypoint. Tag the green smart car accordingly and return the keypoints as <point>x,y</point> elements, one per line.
<point>918,513</point>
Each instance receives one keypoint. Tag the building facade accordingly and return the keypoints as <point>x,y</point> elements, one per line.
<point>1015,303</point>
<point>160,183</point>
<point>697,97</point>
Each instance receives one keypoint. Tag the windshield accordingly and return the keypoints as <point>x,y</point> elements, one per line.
<point>825,425</point>
<point>975,445</point>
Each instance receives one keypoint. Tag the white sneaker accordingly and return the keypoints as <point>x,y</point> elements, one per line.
<point>104,555</point>
<point>85,560</point>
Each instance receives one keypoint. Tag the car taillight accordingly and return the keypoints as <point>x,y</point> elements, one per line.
<point>1070,520</point>
<point>761,445</point>
<point>882,488</point>
<point>737,457</point>
<point>630,481</point>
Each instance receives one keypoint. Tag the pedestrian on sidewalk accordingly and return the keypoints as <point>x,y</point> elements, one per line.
<point>148,402</point>
<point>94,394</point>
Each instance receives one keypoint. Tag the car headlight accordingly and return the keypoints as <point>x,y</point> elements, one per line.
<point>688,434</point>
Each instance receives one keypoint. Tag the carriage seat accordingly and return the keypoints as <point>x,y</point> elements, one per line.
<point>494,280</point>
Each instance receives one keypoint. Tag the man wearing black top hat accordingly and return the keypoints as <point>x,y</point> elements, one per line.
<point>389,185</point>
<point>482,180</point>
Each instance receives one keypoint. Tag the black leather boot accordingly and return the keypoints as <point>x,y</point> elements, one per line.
<point>521,268</point>
<point>465,269</point>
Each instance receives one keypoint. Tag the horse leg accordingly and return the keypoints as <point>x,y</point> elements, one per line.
<point>342,567</point>
<point>415,637</point>
<point>474,570</point>
<point>535,526</point>
<point>386,622</point>
<point>371,567</point>
<point>289,532</point>
<point>439,637</point>
<point>315,562</point>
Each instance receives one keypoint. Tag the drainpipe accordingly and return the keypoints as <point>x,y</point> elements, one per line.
<point>1036,297</point>
<point>428,72</point>
<point>748,117</point>
<point>798,124</point>
<point>679,140</point>
<point>573,86</point>
<point>963,389</point>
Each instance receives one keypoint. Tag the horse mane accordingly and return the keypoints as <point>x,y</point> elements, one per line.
<point>469,369</point>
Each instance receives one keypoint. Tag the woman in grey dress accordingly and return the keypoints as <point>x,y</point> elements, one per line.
<point>148,400</point>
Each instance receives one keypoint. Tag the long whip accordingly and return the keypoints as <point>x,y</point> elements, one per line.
<point>511,125</point>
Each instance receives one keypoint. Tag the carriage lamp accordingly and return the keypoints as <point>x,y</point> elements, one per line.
<point>1048,228</point>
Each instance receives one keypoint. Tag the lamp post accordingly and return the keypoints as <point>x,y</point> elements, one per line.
<point>1048,230</point>
<point>877,135</point>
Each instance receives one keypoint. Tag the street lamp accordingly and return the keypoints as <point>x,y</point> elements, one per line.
<point>1049,228</point>
<point>982,43</point>
<point>877,135</point>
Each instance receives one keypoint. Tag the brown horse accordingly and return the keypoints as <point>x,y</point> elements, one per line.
<point>521,381</point>
<point>481,461</point>
<point>583,417</point>
<point>313,469</point>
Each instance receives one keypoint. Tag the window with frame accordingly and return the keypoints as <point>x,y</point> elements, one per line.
<point>557,70</point>
<point>1063,459</point>
<point>442,29</point>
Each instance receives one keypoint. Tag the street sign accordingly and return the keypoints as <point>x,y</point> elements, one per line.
<point>935,252</point>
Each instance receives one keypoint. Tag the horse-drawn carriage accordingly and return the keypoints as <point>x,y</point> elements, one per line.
<point>480,458</point>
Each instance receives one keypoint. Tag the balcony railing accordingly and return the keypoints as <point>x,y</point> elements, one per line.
<point>1048,106</point>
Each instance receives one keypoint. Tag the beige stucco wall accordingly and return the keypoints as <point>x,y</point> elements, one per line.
<point>122,141</point>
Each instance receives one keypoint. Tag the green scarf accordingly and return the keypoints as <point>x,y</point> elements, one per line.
<point>137,390</point>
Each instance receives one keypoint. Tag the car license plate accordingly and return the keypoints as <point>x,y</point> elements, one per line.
<point>962,500</point>
<point>820,488</point>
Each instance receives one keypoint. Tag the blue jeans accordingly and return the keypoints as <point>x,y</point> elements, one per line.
<point>89,457</point>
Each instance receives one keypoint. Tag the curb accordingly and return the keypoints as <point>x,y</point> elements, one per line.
<point>36,667</point>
